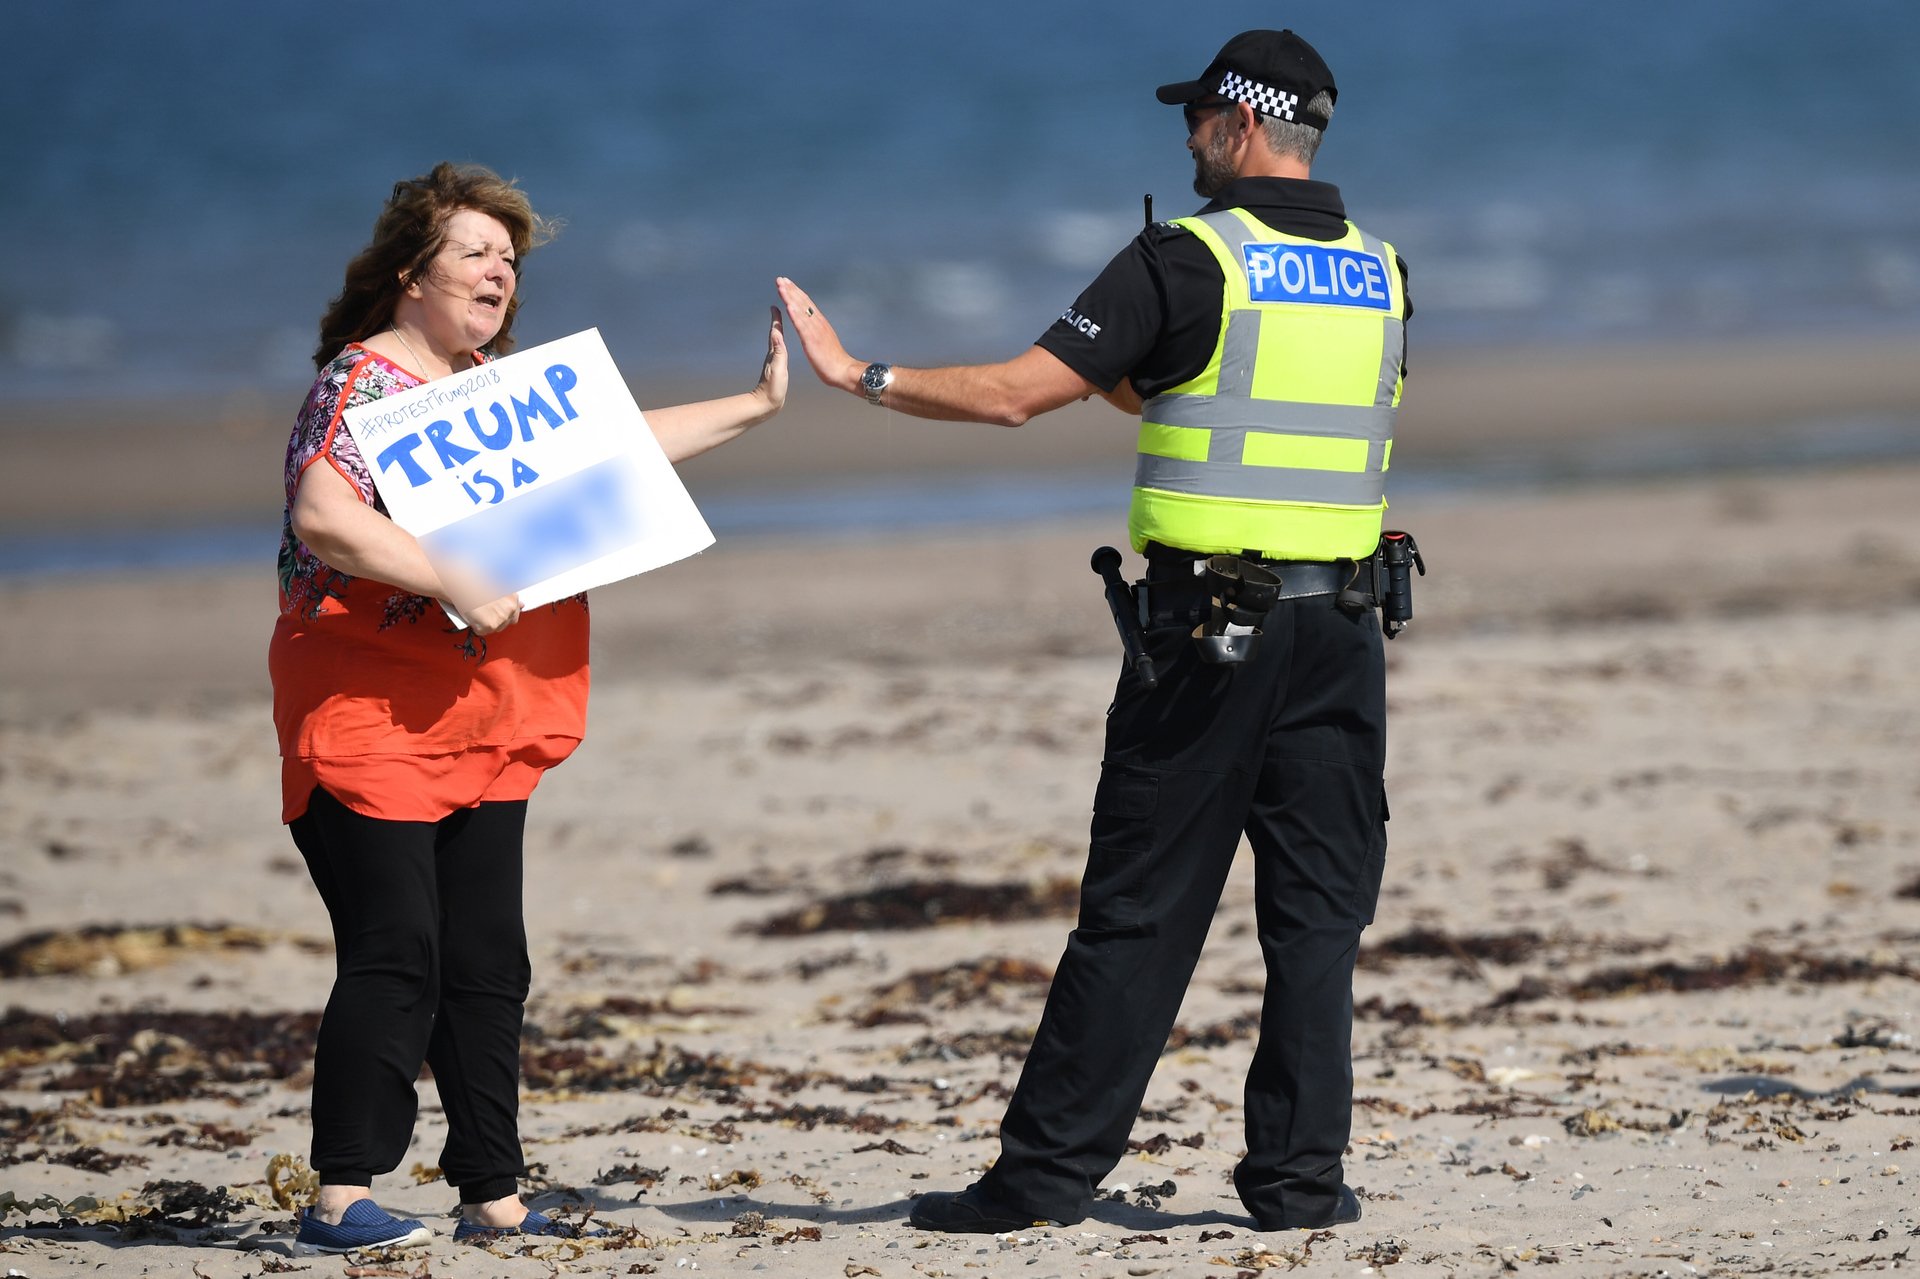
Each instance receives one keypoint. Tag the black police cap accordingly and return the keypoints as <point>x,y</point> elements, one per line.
<point>1274,72</point>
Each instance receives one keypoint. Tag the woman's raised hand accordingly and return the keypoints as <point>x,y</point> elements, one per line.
<point>772,387</point>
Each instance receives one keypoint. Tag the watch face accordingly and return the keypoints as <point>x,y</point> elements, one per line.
<point>875,378</point>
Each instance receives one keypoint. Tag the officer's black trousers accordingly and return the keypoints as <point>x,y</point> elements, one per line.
<point>1288,747</point>
<point>430,965</point>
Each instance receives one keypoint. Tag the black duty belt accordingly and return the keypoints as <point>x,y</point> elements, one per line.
<point>1298,578</point>
<point>1227,597</point>
<point>1175,592</point>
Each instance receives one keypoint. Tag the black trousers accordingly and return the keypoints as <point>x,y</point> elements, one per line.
<point>1288,747</point>
<point>431,965</point>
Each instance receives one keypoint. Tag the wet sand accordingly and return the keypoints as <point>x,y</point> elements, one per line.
<point>171,463</point>
<point>1640,996</point>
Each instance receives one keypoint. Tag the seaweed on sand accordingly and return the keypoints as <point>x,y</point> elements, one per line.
<point>150,1057</point>
<point>924,904</point>
<point>993,981</point>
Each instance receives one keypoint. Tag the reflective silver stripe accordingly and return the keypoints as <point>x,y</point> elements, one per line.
<point>1225,413</point>
<point>1229,228</point>
<point>1238,351</point>
<point>1258,483</point>
<point>1227,444</point>
<point>1393,354</point>
<point>1393,347</point>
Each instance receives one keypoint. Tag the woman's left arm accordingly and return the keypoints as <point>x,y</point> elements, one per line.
<point>688,430</point>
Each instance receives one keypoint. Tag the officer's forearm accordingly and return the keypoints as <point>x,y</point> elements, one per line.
<point>962,393</point>
<point>1006,394</point>
<point>1124,397</point>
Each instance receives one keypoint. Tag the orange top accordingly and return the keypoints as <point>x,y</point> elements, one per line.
<point>377,696</point>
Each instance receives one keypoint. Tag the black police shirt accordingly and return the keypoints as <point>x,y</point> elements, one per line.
<point>1153,315</point>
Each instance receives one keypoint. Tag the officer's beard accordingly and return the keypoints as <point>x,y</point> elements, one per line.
<point>1212,168</point>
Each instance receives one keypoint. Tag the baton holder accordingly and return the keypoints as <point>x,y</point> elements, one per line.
<point>1243,594</point>
<point>1124,605</point>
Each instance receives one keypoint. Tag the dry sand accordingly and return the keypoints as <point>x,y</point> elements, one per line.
<point>1640,999</point>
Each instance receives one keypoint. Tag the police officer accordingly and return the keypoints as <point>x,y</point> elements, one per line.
<point>1261,343</point>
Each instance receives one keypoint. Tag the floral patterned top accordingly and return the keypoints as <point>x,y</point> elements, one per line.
<point>376,694</point>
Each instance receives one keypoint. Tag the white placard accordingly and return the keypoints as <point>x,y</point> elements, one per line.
<point>536,470</point>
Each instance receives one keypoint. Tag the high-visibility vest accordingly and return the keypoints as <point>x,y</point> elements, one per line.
<point>1280,445</point>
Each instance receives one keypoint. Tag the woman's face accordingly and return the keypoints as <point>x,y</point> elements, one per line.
<point>465,289</point>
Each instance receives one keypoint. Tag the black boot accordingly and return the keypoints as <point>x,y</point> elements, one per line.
<point>1345,1213</point>
<point>971,1212</point>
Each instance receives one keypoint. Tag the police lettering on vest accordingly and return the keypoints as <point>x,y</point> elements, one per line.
<point>1281,444</point>
<point>1313,274</point>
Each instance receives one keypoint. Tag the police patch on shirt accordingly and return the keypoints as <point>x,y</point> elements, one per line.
<point>1079,323</point>
<point>1316,274</point>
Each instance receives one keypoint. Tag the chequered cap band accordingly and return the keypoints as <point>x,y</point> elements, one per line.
<point>1274,102</point>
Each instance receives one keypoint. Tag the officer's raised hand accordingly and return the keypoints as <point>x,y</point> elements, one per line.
<point>824,351</point>
<point>1006,394</point>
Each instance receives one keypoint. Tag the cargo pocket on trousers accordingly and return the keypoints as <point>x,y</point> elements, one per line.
<point>1366,889</point>
<point>1120,849</point>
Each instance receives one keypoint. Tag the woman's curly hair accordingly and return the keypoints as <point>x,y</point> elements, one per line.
<point>411,231</point>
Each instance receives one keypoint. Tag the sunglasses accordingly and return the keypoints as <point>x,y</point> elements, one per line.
<point>1195,112</point>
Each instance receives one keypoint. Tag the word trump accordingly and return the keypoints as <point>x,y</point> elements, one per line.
<point>497,431</point>
<point>1316,275</point>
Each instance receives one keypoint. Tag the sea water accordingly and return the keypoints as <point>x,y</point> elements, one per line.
<point>186,181</point>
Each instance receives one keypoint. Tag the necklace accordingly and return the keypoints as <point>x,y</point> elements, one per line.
<point>410,351</point>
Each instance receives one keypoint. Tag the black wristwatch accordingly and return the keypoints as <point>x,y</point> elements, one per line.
<point>875,381</point>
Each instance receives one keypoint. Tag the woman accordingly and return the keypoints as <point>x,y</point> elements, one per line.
<point>409,747</point>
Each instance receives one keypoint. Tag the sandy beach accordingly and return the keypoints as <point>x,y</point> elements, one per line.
<point>1641,997</point>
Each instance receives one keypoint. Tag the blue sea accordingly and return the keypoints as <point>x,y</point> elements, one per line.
<point>186,180</point>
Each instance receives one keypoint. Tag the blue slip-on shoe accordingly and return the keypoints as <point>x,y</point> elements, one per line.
<point>534,1223</point>
<point>365,1224</point>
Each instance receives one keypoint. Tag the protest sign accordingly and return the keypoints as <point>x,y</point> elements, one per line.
<point>535,472</point>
